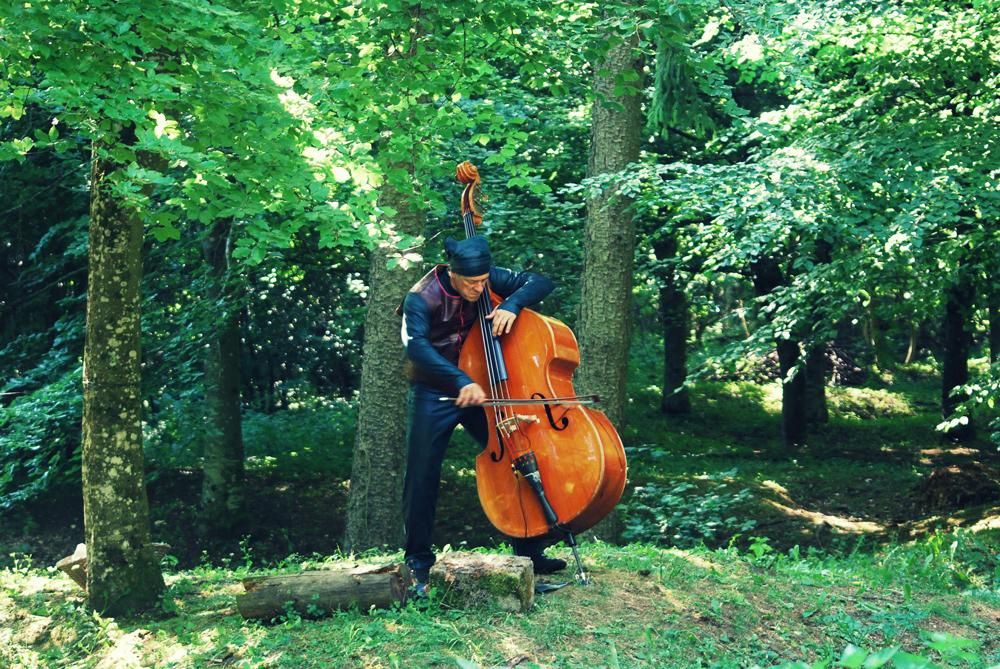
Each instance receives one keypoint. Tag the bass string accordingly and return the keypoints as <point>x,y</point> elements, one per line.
<point>498,387</point>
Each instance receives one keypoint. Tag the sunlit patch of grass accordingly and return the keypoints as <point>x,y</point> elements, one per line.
<point>867,403</point>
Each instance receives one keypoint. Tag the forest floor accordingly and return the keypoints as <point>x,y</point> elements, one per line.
<point>877,533</point>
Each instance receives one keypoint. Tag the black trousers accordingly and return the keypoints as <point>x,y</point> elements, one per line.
<point>430,425</point>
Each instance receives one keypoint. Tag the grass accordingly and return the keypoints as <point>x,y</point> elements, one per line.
<point>649,606</point>
<point>743,555</point>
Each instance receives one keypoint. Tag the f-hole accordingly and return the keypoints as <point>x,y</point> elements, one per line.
<point>563,421</point>
<point>498,455</point>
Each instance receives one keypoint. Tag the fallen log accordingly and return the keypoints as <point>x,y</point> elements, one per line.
<point>318,592</point>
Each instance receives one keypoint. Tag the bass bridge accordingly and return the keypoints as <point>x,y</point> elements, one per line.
<point>510,425</point>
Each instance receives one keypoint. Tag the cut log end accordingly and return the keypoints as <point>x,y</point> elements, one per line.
<point>75,565</point>
<point>468,580</point>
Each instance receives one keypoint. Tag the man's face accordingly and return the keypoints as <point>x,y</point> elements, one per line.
<point>469,287</point>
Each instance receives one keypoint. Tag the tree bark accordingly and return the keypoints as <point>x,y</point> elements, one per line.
<point>957,341</point>
<point>318,592</point>
<point>816,373</point>
<point>123,574</point>
<point>222,489</point>
<point>818,367</point>
<point>675,321</point>
<point>767,276</point>
<point>994,316</point>
<point>373,506</point>
<point>609,246</point>
<point>911,346</point>
<point>793,395</point>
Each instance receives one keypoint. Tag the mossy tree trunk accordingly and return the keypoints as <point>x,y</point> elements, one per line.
<point>675,322</point>
<point>956,334</point>
<point>123,574</point>
<point>374,517</point>
<point>223,485</point>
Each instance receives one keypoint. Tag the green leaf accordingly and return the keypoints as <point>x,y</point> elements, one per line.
<point>853,657</point>
<point>162,233</point>
<point>880,658</point>
<point>943,641</point>
<point>903,660</point>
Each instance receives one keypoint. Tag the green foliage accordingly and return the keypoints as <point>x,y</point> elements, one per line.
<point>313,439</point>
<point>983,399</point>
<point>865,195</point>
<point>40,438</point>
<point>688,512</point>
<point>952,651</point>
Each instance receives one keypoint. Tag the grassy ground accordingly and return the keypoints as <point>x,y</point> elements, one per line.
<point>648,607</point>
<point>877,535</point>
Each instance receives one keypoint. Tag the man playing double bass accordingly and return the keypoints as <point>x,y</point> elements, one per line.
<point>438,313</point>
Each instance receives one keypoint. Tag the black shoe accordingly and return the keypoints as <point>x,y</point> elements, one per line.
<point>547,565</point>
<point>419,590</point>
<point>418,587</point>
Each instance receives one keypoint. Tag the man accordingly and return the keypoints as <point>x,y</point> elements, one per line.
<point>438,313</point>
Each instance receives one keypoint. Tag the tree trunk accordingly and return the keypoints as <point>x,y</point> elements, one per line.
<point>818,367</point>
<point>816,373</point>
<point>123,574</point>
<point>675,320</point>
<point>468,580</point>
<point>767,276</point>
<point>606,284</point>
<point>222,489</point>
<point>793,395</point>
<point>604,328</point>
<point>994,310</point>
<point>373,506</point>
<point>957,340</point>
<point>911,347</point>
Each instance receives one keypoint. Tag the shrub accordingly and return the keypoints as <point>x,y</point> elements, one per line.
<point>314,437</point>
<point>685,513</point>
<point>40,441</point>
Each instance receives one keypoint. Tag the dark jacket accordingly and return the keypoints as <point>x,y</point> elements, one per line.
<point>437,320</point>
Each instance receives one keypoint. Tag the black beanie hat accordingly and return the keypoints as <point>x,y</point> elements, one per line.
<point>468,257</point>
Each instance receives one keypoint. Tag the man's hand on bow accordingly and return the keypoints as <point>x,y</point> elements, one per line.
<point>470,395</point>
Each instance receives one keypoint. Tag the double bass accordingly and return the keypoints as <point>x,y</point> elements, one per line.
<point>553,466</point>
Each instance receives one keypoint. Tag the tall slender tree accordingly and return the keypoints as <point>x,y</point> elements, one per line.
<point>222,490</point>
<point>676,324</point>
<point>122,572</point>
<point>373,515</point>
<point>956,335</point>
<point>609,237</point>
